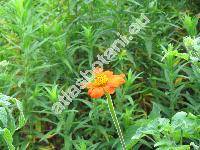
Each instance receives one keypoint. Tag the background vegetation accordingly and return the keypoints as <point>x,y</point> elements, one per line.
<point>48,42</point>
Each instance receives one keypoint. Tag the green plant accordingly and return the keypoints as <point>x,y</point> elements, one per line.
<point>172,78</point>
<point>11,118</point>
<point>190,24</point>
<point>48,42</point>
<point>176,133</point>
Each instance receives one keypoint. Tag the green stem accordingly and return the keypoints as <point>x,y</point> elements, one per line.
<point>115,120</point>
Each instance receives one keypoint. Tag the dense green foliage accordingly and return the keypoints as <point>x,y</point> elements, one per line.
<point>8,124</point>
<point>44,44</point>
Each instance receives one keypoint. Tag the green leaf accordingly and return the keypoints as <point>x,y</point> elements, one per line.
<point>155,113</point>
<point>22,119</point>
<point>3,116</point>
<point>163,142</point>
<point>8,138</point>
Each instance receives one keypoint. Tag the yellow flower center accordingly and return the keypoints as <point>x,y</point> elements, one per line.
<point>100,79</point>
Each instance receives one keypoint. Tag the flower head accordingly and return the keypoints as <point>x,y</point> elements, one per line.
<point>104,82</point>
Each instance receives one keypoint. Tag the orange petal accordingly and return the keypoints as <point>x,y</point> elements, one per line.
<point>96,92</point>
<point>116,80</point>
<point>90,85</point>
<point>109,89</point>
<point>97,70</point>
<point>109,74</point>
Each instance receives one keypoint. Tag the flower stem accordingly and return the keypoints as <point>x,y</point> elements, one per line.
<point>115,120</point>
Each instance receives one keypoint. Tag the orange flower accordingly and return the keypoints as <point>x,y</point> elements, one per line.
<point>104,82</point>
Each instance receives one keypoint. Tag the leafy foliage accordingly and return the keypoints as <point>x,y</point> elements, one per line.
<point>170,134</point>
<point>8,124</point>
<point>44,44</point>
